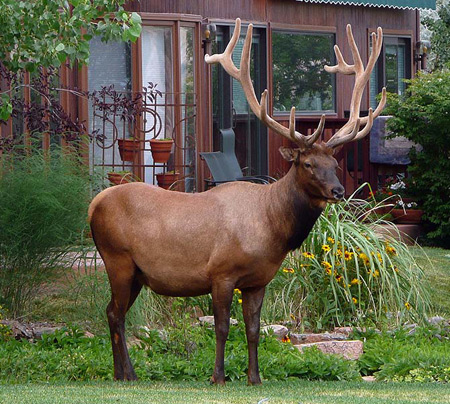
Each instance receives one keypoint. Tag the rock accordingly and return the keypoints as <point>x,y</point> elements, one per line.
<point>348,349</point>
<point>88,334</point>
<point>39,331</point>
<point>437,320</point>
<point>280,331</point>
<point>343,330</point>
<point>209,320</point>
<point>369,379</point>
<point>307,338</point>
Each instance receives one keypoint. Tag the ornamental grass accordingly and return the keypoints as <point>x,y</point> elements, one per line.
<point>349,271</point>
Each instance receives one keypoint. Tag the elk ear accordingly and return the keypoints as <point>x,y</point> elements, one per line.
<point>290,154</point>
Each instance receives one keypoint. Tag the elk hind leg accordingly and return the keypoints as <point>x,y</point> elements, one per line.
<point>125,288</point>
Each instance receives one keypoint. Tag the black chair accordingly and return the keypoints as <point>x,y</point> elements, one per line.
<point>224,166</point>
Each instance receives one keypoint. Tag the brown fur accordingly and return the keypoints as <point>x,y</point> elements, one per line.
<point>233,236</point>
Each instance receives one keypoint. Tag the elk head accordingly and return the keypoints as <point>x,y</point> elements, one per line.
<point>313,161</point>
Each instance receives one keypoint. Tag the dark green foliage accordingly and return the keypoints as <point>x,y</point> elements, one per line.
<point>423,116</point>
<point>43,207</point>
<point>177,354</point>
<point>440,39</point>
<point>422,354</point>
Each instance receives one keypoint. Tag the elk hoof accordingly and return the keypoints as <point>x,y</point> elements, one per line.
<point>254,381</point>
<point>219,381</point>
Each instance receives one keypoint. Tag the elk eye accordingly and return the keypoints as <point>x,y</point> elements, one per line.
<point>307,165</point>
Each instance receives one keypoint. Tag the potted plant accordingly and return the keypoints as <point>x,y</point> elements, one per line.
<point>121,177</point>
<point>161,149</point>
<point>165,180</point>
<point>128,148</point>
<point>407,212</point>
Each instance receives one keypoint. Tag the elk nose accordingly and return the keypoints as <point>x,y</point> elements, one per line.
<point>338,192</point>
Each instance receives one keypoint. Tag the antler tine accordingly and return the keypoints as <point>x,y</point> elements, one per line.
<point>259,108</point>
<point>225,58</point>
<point>350,131</point>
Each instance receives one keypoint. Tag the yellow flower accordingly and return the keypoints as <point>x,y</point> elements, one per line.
<point>339,278</point>
<point>395,269</point>
<point>376,273</point>
<point>355,281</point>
<point>330,240</point>
<point>339,252</point>
<point>364,258</point>
<point>308,255</point>
<point>326,248</point>
<point>240,301</point>
<point>391,250</point>
<point>326,264</point>
<point>237,292</point>
<point>286,339</point>
<point>288,270</point>
<point>355,300</point>
<point>348,255</point>
<point>379,258</point>
<point>408,306</point>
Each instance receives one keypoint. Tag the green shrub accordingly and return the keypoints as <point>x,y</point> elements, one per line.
<point>175,354</point>
<point>346,273</point>
<point>402,355</point>
<point>422,116</point>
<point>43,208</point>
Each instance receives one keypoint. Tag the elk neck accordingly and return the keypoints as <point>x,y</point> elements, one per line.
<point>291,211</point>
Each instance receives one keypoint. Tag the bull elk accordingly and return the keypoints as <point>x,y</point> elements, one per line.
<point>233,236</point>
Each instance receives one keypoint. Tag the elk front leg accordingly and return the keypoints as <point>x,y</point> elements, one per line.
<point>222,295</point>
<point>252,300</point>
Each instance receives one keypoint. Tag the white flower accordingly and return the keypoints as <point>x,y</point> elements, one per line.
<point>398,185</point>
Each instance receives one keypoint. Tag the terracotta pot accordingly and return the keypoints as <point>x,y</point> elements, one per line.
<point>165,180</point>
<point>119,178</point>
<point>128,149</point>
<point>161,150</point>
<point>409,216</point>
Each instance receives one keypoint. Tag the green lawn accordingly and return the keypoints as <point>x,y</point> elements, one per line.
<point>290,391</point>
<point>437,272</point>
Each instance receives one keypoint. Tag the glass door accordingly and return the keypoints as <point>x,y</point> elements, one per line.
<point>230,107</point>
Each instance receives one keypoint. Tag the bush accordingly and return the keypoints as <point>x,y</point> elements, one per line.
<point>43,206</point>
<point>174,354</point>
<point>404,355</point>
<point>422,115</point>
<point>345,273</point>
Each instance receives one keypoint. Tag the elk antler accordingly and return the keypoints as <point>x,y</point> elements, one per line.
<point>350,131</point>
<point>259,108</point>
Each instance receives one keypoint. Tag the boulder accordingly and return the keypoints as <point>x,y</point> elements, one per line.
<point>209,320</point>
<point>280,331</point>
<point>309,338</point>
<point>348,349</point>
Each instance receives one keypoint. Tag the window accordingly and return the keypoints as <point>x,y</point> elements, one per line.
<point>299,78</point>
<point>392,68</point>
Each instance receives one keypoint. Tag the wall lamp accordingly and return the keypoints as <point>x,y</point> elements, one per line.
<point>421,52</point>
<point>209,34</point>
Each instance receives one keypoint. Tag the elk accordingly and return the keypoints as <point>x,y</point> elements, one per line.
<point>233,236</point>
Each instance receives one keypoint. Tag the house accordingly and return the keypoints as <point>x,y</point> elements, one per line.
<point>183,98</point>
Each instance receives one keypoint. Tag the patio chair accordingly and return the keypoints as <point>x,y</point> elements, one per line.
<point>224,166</point>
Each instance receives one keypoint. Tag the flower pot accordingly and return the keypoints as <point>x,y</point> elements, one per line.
<point>161,150</point>
<point>165,180</point>
<point>119,178</point>
<point>409,216</point>
<point>128,149</point>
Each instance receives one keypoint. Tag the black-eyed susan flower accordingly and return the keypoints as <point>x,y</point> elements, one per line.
<point>408,306</point>
<point>391,250</point>
<point>326,248</point>
<point>330,240</point>
<point>240,301</point>
<point>355,281</point>
<point>339,252</point>
<point>309,255</point>
<point>364,258</point>
<point>237,292</point>
<point>396,269</point>
<point>339,278</point>
<point>355,300</point>
<point>376,273</point>
<point>285,339</point>
<point>348,255</point>
<point>288,270</point>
